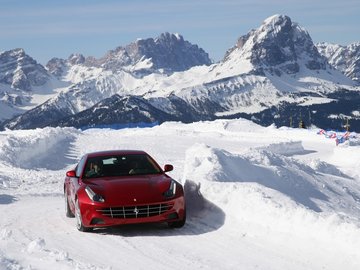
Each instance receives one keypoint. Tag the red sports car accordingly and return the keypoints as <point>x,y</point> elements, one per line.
<point>122,187</point>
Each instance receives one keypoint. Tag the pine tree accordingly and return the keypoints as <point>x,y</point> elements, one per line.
<point>301,122</point>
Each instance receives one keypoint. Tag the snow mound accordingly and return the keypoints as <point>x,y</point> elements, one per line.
<point>43,148</point>
<point>291,182</point>
<point>242,125</point>
<point>286,148</point>
<point>213,164</point>
<point>257,165</point>
<point>263,187</point>
<point>293,179</point>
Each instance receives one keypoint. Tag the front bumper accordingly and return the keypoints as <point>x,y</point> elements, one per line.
<point>104,215</point>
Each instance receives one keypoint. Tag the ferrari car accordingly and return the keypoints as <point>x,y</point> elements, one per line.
<point>122,187</point>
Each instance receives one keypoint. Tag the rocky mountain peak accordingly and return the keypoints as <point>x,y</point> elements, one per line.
<point>276,26</point>
<point>57,66</point>
<point>344,58</point>
<point>15,53</point>
<point>168,51</point>
<point>169,39</point>
<point>76,59</point>
<point>278,45</point>
<point>20,71</point>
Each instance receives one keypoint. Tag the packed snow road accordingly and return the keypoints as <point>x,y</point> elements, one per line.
<point>257,198</point>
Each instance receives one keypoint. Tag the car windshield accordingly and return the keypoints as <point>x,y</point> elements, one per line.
<point>120,165</point>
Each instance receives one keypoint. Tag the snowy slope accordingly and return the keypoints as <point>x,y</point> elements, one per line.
<point>257,198</point>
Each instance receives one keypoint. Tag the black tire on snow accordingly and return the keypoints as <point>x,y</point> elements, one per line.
<point>68,212</point>
<point>178,224</point>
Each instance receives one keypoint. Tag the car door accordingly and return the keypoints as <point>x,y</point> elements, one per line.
<point>74,181</point>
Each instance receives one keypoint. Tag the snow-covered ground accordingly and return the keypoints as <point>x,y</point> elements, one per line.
<point>257,198</point>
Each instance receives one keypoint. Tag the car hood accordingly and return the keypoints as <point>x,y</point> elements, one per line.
<point>131,190</point>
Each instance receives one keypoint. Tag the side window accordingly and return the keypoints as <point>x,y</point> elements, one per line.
<point>80,166</point>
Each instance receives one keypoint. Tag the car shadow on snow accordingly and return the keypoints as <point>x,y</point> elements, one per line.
<point>7,199</point>
<point>202,217</point>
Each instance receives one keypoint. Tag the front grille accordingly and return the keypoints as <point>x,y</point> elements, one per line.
<point>138,211</point>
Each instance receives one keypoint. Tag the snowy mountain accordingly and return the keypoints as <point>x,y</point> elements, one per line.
<point>166,53</point>
<point>275,68</point>
<point>269,66</point>
<point>278,45</point>
<point>103,77</point>
<point>58,66</point>
<point>24,83</point>
<point>344,58</point>
<point>20,71</point>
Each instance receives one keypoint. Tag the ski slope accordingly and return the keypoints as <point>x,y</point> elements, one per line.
<point>257,198</point>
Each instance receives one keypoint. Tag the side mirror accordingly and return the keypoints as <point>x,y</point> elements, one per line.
<point>168,168</point>
<point>71,174</point>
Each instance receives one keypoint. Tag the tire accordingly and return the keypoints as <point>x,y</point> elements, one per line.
<point>79,224</point>
<point>68,212</point>
<point>178,224</point>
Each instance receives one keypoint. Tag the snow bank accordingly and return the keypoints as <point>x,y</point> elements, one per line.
<point>286,148</point>
<point>263,187</point>
<point>48,148</point>
<point>282,174</point>
<point>210,164</point>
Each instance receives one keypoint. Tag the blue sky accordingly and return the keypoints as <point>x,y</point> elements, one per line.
<point>47,29</point>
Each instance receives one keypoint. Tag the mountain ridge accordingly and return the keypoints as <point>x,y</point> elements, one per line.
<point>167,53</point>
<point>264,68</point>
<point>344,58</point>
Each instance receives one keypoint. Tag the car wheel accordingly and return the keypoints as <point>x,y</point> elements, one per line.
<point>178,224</point>
<point>79,224</point>
<point>68,212</point>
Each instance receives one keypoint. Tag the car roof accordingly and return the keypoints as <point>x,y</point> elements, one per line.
<point>115,152</point>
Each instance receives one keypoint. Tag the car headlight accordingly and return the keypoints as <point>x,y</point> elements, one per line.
<point>93,196</point>
<point>171,191</point>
